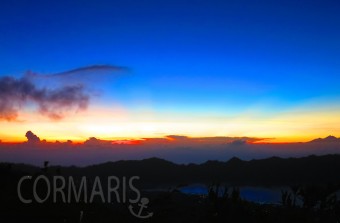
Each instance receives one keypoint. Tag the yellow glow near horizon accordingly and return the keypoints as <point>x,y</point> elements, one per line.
<point>292,126</point>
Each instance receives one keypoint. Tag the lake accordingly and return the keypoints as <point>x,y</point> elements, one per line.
<point>263,195</point>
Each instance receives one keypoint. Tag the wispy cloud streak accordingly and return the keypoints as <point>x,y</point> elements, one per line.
<point>94,69</point>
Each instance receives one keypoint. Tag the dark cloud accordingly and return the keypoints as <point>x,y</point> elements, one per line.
<point>63,93</point>
<point>177,137</point>
<point>54,103</point>
<point>93,141</point>
<point>238,142</point>
<point>32,138</point>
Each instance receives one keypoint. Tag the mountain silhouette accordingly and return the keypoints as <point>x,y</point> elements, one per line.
<point>327,139</point>
<point>155,171</point>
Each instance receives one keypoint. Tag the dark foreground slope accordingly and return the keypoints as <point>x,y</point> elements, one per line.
<point>312,180</point>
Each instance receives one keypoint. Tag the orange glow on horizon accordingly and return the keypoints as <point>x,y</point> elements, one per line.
<point>295,125</point>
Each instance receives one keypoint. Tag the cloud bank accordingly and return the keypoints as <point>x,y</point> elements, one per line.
<point>179,149</point>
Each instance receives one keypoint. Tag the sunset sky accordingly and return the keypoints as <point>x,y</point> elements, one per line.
<point>149,69</point>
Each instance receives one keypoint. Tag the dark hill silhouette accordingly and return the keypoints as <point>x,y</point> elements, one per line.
<point>234,161</point>
<point>155,172</point>
<point>327,139</point>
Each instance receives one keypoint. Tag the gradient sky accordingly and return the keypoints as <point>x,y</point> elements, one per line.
<point>267,69</point>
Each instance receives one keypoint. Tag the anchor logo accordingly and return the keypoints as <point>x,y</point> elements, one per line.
<point>143,205</point>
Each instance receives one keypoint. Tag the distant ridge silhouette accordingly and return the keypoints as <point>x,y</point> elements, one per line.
<point>154,171</point>
<point>327,139</point>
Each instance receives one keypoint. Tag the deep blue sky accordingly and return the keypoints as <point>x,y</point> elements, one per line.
<point>183,55</point>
